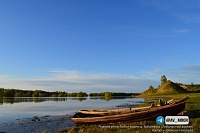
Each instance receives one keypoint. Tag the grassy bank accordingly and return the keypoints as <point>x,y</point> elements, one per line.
<point>192,106</point>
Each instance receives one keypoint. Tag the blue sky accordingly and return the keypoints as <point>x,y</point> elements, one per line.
<point>98,45</point>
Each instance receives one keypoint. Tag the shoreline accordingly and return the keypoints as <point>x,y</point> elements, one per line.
<point>38,124</point>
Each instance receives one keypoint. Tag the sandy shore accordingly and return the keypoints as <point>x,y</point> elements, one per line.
<point>37,124</point>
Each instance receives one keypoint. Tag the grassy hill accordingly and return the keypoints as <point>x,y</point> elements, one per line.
<point>170,87</point>
<point>167,87</point>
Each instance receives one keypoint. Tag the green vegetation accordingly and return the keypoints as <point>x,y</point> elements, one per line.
<point>38,93</point>
<point>94,94</point>
<point>195,88</point>
<point>150,91</point>
<point>170,87</point>
<point>107,96</point>
<point>1,92</point>
<point>9,92</point>
<point>163,79</point>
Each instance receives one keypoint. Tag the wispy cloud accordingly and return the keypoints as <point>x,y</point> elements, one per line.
<point>71,81</point>
<point>186,74</point>
<point>181,31</point>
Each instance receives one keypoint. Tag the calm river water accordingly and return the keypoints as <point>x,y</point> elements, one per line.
<point>15,108</point>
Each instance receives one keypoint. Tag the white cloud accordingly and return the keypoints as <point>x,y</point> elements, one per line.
<point>73,81</point>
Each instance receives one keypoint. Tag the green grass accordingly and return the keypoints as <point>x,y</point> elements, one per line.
<point>192,105</point>
<point>136,128</point>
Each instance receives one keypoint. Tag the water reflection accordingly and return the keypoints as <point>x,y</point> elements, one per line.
<point>77,98</point>
<point>26,107</point>
<point>108,98</point>
<point>37,99</point>
<point>13,100</point>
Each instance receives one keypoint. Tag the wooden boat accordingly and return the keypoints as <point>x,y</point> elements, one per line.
<point>130,115</point>
<point>125,110</point>
<point>112,111</point>
<point>173,109</point>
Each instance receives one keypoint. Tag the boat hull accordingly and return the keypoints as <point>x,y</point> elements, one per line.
<point>149,114</point>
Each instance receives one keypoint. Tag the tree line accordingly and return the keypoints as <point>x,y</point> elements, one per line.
<point>38,93</point>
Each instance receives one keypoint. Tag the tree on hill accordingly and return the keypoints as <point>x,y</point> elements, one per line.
<point>163,79</point>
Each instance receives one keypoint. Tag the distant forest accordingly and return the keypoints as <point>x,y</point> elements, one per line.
<point>40,93</point>
<point>114,94</point>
